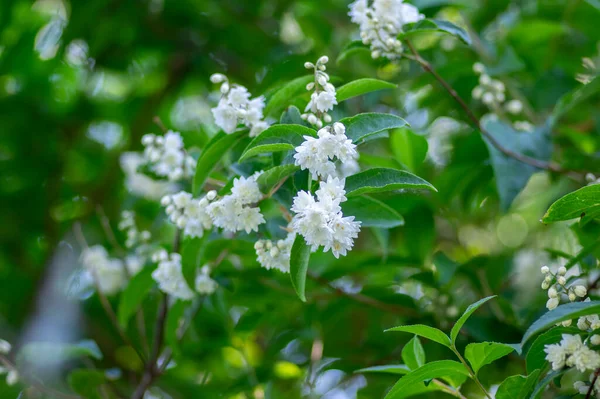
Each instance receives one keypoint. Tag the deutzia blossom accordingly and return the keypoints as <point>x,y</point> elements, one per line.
<point>235,107</point>
<point>381,23</point>
<point>323,97</point>
<point>204,284</point>
<point>138,183</point>
<point>318,154</point>
<point>167,157</point>
<point>134,236</point>
<point>108,273</point>
<point>235,212</point>
<point>188,213</point>
<point>275,255</point>
<point>169,276</point>
<point>321,221</point>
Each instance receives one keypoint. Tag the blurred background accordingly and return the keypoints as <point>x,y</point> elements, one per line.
<point>82,81</point>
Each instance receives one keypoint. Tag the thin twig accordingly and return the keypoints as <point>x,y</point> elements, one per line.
<point>158,122</point>
<point>448,389</point>
<point>108,231</point>
<point>588,395</point>
<point>509,153</point>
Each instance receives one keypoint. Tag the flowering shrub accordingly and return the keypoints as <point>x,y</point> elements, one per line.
<point>369,224</point>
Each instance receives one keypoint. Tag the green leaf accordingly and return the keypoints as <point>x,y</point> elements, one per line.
<point>351,49</point>
<point>282,97</point>
<point>49,353</point>
<point>541,386</point>
<point>536,356</point>
<point>424,331</point>
<point>512,175</point>
<point>371,212</point>
<point>585,201</point>
<point>299,266</point>
<point>574,98</point>
<point>435,25</point>
<point>564,312</point>
<point>517,386</point>
<point>387,369</point>
<point>191,258</point>
<point>277,138</point>
<point>361,86</point>
<point>134,294</point>
<point>470,310</point>
<point>409,148</point>
<point>438,369</point>
<point>383,179</point>
<point>176,313</point>
<point>271,177</point>
<point>361,127</point>
<point>212,154</point>
<point>292,116</point>
<point>413,353</point>
<point>482,353</point>
<point>86,382</point>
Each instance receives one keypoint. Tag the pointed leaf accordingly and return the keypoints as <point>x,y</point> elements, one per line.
<point>282,97</point>
<point>277,138</point>
<point>435,25</point>
<point>191,258</point>
<point>371,212</point>
<point>517,386</point>
<point>361,127</point>
<point>401,369</point>
<point>575,97</point>
<point>438,369</point>
<point>470,310</point>
<point>361,86</point>
<point>583,202</point>
<point>299,266</point>
<point>409,148</point>
<point>482,353</point>
<point>424,331</point>
<point>271,177</point>
<point>352,48</point>
<point>541,386</point>
<point>132,297</point>
<point>413,353</point>
<point>383,179</point>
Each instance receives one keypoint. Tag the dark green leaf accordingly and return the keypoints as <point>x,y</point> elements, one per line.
<point>277,138</point>
<point>585,201</point>
<point>426,332</point>
<point>413,353</point>
<point>86,382</point>
<point>387,369</point>
<point>271,177</point>
<point>480,354</point>
<point>575,97</point>
<point>282,97</point>
<point>383,179</point>
<point>361,86</point>
<point>541,386</point>
<point>470,310</point>
<point>134,294</point>
<point>299,266</point>
<point>191,258</point>
<point>435,25</point>
<point>361,127</point>
<point>371,212</point>
<point>352,48</point>
<point>409,148</point>
<point>292,116</point>
<point>517,386</point>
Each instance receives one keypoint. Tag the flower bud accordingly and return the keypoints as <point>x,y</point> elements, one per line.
<point>552,293</point>
<point>595,339</point>
<point>478,67</point>
<point>561,280</point>
<point>319,124</point>
<point>309,65</point>
<point>567,323</point>
<point>145,235</point>
<point>148,139</point>
<point>545,285</point>
<point>580,291</point>
<point>166,200</point>
<point>485,80</point>
<point>322,81</point>
<point>259,245</point>
<point>552,303</point>
<point>5,347</point>
<point>562,271</point>
<point>217,78</point>
<point>327,118</point>
<point>545,270</point>
<point>224,88</point>
<point>274,251</point>
<point>323,60</point>
<point>312,119</point>
<point>304,116</point>
<point>375,54</point>
<point>211,195</point>
<point>310,86</point>
<point>572,296</point>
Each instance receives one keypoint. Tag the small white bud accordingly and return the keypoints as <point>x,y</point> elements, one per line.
<point>548,278</point>
<point>170,209</point>
<point>500,97</point>
<point>319,124</point>
<point>561,280</point>
<point>211,195</point>
<point>552,303</point>
<point>312,119</point>
<point>259,245</point>
<point>217,78</point>
<point>478,67</point>
<point>562,271</point>
<point>567,323</point>
<point>281,244</point>
<point>595,339</point>
<point>160,140</point>
<point>181,222</point>
<point>12,378</point>
<point>488,98</point>
<point>545,270</point>
<point>224,88</point>
<point>572,296</point>
<point>309,65</point>
<point>498,85</point>
<point>322,80</point>
<point>304,116</point>
<point>514,107</point>
<point>310,86</point>
<point>485,80</point>
<point>552,293</point>
<point>322,68</point>
<point>5,347</point>
<point>274,251</point>
<point>166,200</point>
<point>580,291</point>
<point>323,60</point>
<point>390,42</point>
<point>545,285</point>
<point>327,118</point>
<point>145,235</point>
<point>375,54</point>
<point>148,139</point>
<point>477,92</point>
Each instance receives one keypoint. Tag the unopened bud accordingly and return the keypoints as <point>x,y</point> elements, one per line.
<point>561,280</point>
<point>309,65</point>
<point>217,78</point>
<point>595,339</point>
<point>580,291</point>
<point>552,293</point>
<point>211,195</point>
<point>562,271</point>
<point>310,86</point>
<point>545,270</point>
<point>552,303</point>
<point>323,60</point>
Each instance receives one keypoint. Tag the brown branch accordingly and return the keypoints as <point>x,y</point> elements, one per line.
<point>588,395</point>
<point>551,166</point>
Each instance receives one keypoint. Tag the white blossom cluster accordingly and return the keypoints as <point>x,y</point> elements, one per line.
<point>12,376</point>
<point>108,273</point>
<point>323,97</point>
<point>204,284</point>
<point>571,351</point>
<point>235,107</point>
<point>381,23</point>
<point>321,221</point>
<point>134,236</point>
<point>167,157</point>
<point>583,387</point>
<point>556,286</point>
<point>138,183</point>
<point>492,93</point>
<point>275,255</point>
<point>169,276</point>
<point>235,212</point>
<point>318,154</point>
<point>188,213</point>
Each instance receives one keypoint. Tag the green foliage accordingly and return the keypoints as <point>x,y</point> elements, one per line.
<point>299,258</point>
<point>382,179</point>
<point>465,316</point>
<point>361,86</point>
<point>424,331</point>
<point>277,138</point>
<point>436,25</point>
<point>363,127</point>
<point>517,386</point>
<point>413,354</point>
<point>580,203</point>
<point>481,353</point>
<point>134,294</point>
<point>372,212</point>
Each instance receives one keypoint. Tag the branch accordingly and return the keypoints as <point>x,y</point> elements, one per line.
<point>588,395</point>
<point>551,166</point>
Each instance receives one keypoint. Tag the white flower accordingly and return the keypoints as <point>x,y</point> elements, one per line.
<point>514,106</point>
<point>325,101</point>
<point>188,213</point>
<point>166,156</point>
<point>246,190</point>
<point>108,273</point>
<point>556,355</point>
<point>324,96</point>
<point>552,303</point>
<point>169,276</point>
<point>523,126</point>
<point>580,291</point>
<point>545,270</point>
<point>204,284</point>
<point>5,347</point>
<point>225,117</point>
<point>275,255</point>
<point>585,359</point>
<point>138,183</point>
<point>571,343</point>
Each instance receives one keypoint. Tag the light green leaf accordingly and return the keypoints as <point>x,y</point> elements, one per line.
<point>483,353</point>
<point>361,127</point>
<point>439,369</point>
<point>517,386</point>
<point>277,138</point>
<point>409,148</point>
<point>134,294</point>
<point>282,97</point>
<point>299,266</point>
<point>413,353</point>
<point>191,258</point>
<point>383,179</point>
<point>361,86</point>
<point>86,382</point>
<point>564,312</point>
<point>401,369</point>
<point>50,353</point>
<point>435,25</point>
<point>536,356</point>
<point>585,201</point>
<point>574,98</point>
<point>424,331</point>
<point>271,177</point>
<point>512,175</point>
<point>371,212</point>
<point>470,310</point>
<point>212,154</point>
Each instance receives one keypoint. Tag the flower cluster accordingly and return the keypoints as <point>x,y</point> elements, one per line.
<point>321,221</point>
<point>275,255</point>
<point>12,376</point>
<point>556,286</point>
<point>169,276</point>
<point>492,93</point>
<point>381,23</point>
<point>318,154</point>
<point>573,352</point>
<point>235,107</point>
<point>234,212</point>
<point>166,156</point>
<point>204,284</point>
<point>140,184</point>
<point>188,213</point>
<point>323,97</point>
<point>134,236</point>
<point>108,273</point>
